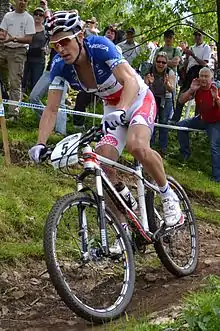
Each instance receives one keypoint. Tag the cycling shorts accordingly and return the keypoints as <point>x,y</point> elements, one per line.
<point>143,111</point>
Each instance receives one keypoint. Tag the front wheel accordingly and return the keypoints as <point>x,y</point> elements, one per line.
<point>97,288</point>
<point>179,249</point>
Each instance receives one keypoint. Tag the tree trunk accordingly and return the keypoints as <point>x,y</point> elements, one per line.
<point>4,8</point>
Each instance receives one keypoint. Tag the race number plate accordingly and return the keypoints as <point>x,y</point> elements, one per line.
<point>65,152</point>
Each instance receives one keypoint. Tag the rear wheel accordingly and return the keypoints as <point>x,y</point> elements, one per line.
<point>179,249</point>
<point>100,288</point>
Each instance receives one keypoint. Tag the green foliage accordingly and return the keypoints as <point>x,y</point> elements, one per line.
<point>202,310</point>
<point>150,18</point>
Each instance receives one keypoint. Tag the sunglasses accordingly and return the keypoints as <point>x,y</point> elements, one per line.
<point>162,62</point>
<point>39,14</point>
<point>61,42</point>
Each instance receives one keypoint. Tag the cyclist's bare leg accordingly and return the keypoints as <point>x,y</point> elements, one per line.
<point>138,144</point>
<point>111,153</point>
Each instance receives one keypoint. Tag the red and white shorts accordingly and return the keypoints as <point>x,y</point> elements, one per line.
<point>143,111</point>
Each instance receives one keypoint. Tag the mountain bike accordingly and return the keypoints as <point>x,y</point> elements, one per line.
<point>96,284</point>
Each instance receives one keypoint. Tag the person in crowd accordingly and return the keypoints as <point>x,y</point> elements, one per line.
<point>197,57</point>
<point>173,53</point>
<point>213,58</point>
<point>41,89</point>
<point>120,33</point>
<point>182,46</point>
<point>149,50</point>
<point>207,99</point>
<point>181,69</point>
<point>91,27</point>
<point>151,46</point>
<point>16,32</point>
<point>130,48</point>
<point>35,63</point>
<point>97,66</point>
<point>47,11</point>
<point>110,32</point>
<point>161,81</point>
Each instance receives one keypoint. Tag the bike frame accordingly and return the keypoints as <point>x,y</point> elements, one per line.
<point>92,163</point>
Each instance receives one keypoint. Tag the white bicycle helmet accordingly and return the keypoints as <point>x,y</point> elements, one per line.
<point>63,21</point>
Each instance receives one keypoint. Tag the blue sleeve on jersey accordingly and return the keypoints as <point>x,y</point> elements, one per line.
<point>104,50</point>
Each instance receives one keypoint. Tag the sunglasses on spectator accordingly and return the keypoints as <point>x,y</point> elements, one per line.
<point>61,42</point>
<point>162,62</point>
<point>39,14</point>
<point>89,21</point>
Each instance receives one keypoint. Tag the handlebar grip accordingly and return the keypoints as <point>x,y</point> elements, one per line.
<point>44,155</point>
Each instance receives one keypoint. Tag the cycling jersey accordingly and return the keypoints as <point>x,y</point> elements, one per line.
<point>104,57</point>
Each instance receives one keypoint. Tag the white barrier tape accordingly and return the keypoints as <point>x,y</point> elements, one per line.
<point>2,111</point>
<point>74,112</point>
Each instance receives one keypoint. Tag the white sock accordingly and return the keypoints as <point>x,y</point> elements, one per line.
<point>165,190</point>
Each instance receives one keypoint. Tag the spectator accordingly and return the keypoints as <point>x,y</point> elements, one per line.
<point>182,46</point>
<point>91,27</point>
<point>41,89</point>
<point>35,63</point>
<point>181,69</point>
<point>151,46</point>
<point>173,53</point>
<point>110,32</point>
<point>150,49</point>
<point>161,81</point>
<point>207,98</point>
<point>17,29</point>
<point>47,12</point>
<point>130,48</point>
<point>120,33</point>
<point>196,58</point>
<point>213,58</point>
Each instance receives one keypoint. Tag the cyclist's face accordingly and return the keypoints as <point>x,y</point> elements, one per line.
<point>66,45</point>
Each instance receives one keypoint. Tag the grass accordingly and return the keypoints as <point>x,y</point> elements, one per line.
<point>207,214</point>
<point>26,196</point>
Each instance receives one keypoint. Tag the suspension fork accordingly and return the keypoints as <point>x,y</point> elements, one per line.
<point>83,232</point>
<point>101,211</point>
<point>141,196</point>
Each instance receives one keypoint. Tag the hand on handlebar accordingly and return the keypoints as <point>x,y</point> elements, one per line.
<point>114,119</point>
<point>37,153</point>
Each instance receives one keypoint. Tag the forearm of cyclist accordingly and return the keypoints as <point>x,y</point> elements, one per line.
<point>48,119</point>
<point>127,78</point>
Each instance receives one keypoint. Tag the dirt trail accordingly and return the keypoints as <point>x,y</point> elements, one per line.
<point>28,302</point>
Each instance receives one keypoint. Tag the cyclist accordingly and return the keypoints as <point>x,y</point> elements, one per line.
<point>95,65</point>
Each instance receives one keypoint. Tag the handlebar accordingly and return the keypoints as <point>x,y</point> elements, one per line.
<point>94,134</point>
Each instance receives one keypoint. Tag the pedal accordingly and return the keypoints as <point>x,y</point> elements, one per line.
<point>159,233</point>
<point>164,230</point>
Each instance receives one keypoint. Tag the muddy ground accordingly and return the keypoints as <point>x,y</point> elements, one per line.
<point>28,301</point>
